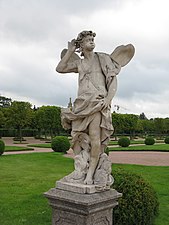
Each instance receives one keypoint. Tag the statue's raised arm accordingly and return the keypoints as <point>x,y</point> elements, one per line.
<point>68,58</point>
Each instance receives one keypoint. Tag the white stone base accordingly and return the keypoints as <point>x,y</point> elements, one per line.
<point>77,188</point>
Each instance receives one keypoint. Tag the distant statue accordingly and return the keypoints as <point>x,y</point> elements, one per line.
<point>90,117</point>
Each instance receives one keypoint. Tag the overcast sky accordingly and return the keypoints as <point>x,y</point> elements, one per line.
<point>34,32</point>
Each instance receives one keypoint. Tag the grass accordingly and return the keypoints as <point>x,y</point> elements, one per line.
<point>134,142</point>
<point>131,142</point>
<point>158,147</point>
<point>24,179</point>
<point>46,145</point>
<point>17,148</point>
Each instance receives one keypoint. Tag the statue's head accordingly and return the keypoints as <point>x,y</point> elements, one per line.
<point>82,36</point>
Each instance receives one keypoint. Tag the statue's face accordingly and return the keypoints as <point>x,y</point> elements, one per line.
<point>88,43</point>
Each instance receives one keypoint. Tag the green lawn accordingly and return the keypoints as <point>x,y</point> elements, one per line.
<point>157,147</point>
<point>134,142</point>
<point>24,179</point>
<point>46,145</point>
<point>17,148</point>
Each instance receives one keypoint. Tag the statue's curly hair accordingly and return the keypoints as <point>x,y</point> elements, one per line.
<point>82,35</point>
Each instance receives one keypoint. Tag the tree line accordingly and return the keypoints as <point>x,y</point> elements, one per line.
<point>132,125</point>
<point>21,115</point>
<point>46,120</point>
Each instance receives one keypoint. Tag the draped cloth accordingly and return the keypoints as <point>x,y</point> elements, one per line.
<point>91,94</point>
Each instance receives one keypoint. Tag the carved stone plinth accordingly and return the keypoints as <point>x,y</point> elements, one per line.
<point>70,208</point>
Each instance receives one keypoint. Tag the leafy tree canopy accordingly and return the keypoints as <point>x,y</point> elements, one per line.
<point>5,102</point>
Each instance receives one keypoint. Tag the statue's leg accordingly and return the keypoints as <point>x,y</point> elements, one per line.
<point>94,134</point>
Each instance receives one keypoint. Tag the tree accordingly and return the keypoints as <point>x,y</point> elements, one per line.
<point>145,126</point>
<point>139,126</point>
<point>48,119</point>
<point>130,124</point>
<point>148,126</point>
<point>166,125</point>
<point>159,126</point>
<point>142,116</point>
<point>118,123</point>
<point>19,116</point>
<point>5,102</point>
<point>2,119</point>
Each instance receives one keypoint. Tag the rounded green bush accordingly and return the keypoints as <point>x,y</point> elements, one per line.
<point>166,140</point>
<point>60,144</point>
<point>149,141</point>
<point>138,204</point>
<point>124,142</point>
<point>2,147</point>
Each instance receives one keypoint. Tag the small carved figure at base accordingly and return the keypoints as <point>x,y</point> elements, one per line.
<point>102,179</point>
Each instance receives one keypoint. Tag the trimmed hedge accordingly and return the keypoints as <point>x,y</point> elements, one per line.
<point>166,140</point>
<point>124,142</point>
<point>139,203</point>
<point>60,144</point>
<point>13,132</point>
<point>2,147</point>
<point>149,141</point>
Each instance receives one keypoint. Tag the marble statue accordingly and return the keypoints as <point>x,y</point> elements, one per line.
<point>90,117</point>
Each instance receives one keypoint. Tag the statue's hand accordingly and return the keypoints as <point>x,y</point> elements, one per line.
<point>106,103</point>
<point>72,46</point>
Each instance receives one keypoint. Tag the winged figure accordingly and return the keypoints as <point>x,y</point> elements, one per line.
<point>91,112</point>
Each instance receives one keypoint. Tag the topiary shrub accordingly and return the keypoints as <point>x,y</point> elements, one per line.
<point>124,142</point>
<point>60,144</point>
<point>2,147</point>
<point>166,140</point>
<point>149,141</point>
<point>139,203</point>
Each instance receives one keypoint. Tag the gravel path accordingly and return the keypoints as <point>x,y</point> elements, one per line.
<point>139,158</point>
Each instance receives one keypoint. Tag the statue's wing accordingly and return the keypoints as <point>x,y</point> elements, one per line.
<point>73,57</point>
<point>123,54</point>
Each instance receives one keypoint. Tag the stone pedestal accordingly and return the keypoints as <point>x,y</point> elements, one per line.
<point>70,208</point>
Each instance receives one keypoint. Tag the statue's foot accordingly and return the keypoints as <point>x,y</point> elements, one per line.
<point>88,180</point>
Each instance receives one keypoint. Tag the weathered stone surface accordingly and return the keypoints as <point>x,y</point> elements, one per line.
<point>90,116</point>
<point>102,179</point>
<point>70,208</point>
<point>77,188</point>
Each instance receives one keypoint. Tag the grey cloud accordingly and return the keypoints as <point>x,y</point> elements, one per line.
<point>142,81</point>
<point>32,34</point>
<point>33,20</point>
<point>28,21</point>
